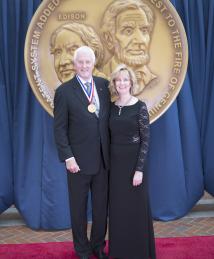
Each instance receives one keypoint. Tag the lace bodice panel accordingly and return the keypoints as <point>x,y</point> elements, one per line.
<point>131,127</point>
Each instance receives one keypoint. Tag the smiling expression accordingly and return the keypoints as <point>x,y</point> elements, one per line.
<point>84,65</point>
<point>123,83</point>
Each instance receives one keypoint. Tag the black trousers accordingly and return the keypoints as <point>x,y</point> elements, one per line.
<point>79,186</point>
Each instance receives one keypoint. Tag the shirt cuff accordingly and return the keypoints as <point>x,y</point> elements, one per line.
<point>68,159</point>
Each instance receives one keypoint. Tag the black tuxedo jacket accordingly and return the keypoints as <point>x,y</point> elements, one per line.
<point>78,132</point>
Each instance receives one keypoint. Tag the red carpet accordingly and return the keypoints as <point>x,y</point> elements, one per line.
<point>201,247</point>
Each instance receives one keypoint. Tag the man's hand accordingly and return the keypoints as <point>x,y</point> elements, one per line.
<point>138,178</point>
<point>72,165</point>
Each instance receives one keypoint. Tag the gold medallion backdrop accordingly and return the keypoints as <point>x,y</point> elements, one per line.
<point>147,35</point>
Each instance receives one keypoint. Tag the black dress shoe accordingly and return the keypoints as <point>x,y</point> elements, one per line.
<point>100,254</point>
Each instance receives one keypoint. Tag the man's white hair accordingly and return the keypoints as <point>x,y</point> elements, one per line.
<point>84,50</point>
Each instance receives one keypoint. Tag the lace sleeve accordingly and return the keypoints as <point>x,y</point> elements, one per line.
<point>144,130</point>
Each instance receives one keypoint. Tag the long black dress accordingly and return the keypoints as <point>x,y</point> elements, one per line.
<point>131,234</point>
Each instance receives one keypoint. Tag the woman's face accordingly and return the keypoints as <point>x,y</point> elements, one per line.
<point>123,83</point>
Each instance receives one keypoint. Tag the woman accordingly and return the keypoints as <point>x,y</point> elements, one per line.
<point>131,233</point>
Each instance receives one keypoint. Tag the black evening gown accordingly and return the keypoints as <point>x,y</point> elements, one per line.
<point>131,234</point>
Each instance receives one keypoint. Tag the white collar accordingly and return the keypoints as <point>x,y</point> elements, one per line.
<point>83,80</point>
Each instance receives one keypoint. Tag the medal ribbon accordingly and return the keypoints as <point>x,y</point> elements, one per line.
<point>88,95</point>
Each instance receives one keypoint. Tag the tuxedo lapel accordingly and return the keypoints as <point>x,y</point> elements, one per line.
<point>100,95</point>
<point>79,92</point>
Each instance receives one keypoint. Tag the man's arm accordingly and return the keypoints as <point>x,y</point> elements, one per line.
<point>61,125</point>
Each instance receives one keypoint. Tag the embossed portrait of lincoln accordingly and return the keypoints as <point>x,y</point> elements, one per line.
<point>127,27</point>
<point>65,40</point>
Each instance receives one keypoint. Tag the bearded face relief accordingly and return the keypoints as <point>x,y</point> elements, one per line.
<point>132,38</point>
<point>129,31</point>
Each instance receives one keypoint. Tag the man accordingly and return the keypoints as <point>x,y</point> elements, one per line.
<point>81,134</point>
<point>65,40</point>
<point>127,28</point>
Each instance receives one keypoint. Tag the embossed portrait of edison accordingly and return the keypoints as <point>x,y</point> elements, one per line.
<point>65,40</point>
<point>127,27</point>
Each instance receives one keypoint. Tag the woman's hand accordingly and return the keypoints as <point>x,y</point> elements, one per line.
<point>138,178</point>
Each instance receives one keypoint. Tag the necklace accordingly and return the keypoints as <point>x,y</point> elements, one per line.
<point>121,106</point>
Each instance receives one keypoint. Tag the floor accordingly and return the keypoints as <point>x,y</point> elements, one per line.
<point>199,222</point>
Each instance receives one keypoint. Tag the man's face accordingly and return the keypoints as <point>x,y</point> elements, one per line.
<point>65,44</point>
<point>132,37</point>
<point>84,65</point>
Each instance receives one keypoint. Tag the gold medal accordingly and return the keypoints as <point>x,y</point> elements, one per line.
<point>58,23</point>
<point>91,108</point>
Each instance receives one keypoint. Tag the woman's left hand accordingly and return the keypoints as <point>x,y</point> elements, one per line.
<point>138,178</point>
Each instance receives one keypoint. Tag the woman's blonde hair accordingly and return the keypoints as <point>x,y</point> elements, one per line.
<point>120,68</point>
